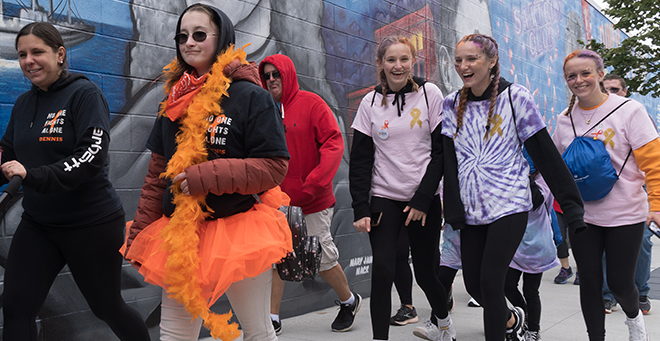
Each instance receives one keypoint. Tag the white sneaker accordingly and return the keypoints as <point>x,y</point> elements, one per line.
<point>637,328</point>
<point>447,333</point>
<point>428,331</point>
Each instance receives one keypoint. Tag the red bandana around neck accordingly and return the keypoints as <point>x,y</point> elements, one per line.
<point>182,94</point>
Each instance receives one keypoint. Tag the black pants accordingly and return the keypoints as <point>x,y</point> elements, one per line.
<point>424,245</point>
<point>621,246</point>
<point>486,251</point>
<point>36,256</point>
<point>562,249</point>
<point>403,278</point>
<point>531,302</point>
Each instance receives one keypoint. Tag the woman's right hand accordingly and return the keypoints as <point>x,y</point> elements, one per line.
<point>11,168</point>
<point>363,225</point>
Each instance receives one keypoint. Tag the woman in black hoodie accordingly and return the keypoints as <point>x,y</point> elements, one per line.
<point>57,142</point>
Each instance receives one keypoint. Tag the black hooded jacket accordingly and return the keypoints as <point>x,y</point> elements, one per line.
<point>61,138</point>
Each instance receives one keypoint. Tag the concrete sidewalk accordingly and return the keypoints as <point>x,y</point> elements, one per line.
<point>561,318</point>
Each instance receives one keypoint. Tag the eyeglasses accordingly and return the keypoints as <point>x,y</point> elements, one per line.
<point>275,74</point>
<point>613,90</point>
<point>198,36</point>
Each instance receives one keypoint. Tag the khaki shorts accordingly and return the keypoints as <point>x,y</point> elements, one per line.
<point>318,224</point>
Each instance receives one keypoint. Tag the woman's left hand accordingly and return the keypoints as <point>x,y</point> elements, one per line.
<point>13,167</point>
<point>653,216</point>
<point>414,215</point>
<point>184,184</point>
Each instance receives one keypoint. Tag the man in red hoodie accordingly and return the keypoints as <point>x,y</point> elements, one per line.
<point>316,148</point>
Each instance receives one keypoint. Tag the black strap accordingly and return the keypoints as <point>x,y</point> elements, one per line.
<point>624,162</point>
<point>373,99</point>
<point>597,123</point>
<point>425,97</point>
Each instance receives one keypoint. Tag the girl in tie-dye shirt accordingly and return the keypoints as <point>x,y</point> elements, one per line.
<point>487,191</point>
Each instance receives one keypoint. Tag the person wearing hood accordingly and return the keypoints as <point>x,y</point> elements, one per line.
<point>394,175</point>
<point>208,220</point>
<point>316,147</point>
<point>57,143</point>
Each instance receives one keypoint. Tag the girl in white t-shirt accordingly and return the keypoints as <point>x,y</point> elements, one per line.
<point>394,178</point>
<point>616,222</point>
<point>487,192</point>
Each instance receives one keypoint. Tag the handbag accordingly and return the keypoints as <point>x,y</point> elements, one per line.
<point>304,261</point>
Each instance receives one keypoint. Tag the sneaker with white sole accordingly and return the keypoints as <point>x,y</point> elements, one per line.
<point>447,333</point>
<point>610,306</point>
<point>645,304</point>
<point>517,332</point>
<point>637,328</point>
<point>277,325</point>
<point>404,316</point>
<point>427,331</point>
<point>473,303</point>
<point>346,317</point>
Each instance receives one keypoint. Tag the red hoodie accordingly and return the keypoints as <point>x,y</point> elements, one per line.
<point>313,138</point>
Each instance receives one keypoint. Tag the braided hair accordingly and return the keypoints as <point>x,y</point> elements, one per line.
<point>385,43</point>
<point>600,67</point>
<point>490,49</point>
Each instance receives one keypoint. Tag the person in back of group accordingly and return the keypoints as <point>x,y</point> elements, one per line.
<point>565,271</point>
<point>615,84</point>
<point>57,141</point>
<point>394,177</point>
<point>316,147</point>
<point>487,192</point>
<point>615,222</point>
<point>199,231</point>
<point>536,254</point>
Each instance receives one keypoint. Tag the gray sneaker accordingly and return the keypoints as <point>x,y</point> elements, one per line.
<point>645,304</point>
<point>610,306</point>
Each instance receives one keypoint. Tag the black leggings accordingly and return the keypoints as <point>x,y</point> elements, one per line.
<point>446,276</point>
<point>486,251</point>
<point>531,302</point>
<point>403,279</point>
<point>36,256</point>
<point>424,245</point>
<point>562,249</point>
<point>621,246</point>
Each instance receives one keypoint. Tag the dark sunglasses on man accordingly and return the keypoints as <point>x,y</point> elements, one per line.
<point>198,36</point>
<point>613,90</point>
<point>275,74</point>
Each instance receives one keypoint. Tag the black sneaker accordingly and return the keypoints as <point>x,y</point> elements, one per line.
<point>277,326</point>
<point>564,275</point>
<point>404,316</point>
<point>644,304</point>
<point>577,279</point>
<point>346,317</point>
<point>517,332</point>
<point>610,306</point>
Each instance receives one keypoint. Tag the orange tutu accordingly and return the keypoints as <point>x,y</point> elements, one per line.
<point>230,249</point>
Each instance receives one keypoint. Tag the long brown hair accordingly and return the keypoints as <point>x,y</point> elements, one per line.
<point>490,49</point>
<point>385,43</point>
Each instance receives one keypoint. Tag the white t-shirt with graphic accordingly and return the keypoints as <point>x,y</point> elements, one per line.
<point>628,127</point>
<point>402,144</point>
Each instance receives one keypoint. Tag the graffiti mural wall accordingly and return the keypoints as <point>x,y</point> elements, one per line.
<point>122,45</point>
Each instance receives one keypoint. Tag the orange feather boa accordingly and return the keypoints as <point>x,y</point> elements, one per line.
<point>180,237</point>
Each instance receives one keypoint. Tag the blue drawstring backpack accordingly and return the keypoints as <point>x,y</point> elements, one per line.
<point>590,163</point>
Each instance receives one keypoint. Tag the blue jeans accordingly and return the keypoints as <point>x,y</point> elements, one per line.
<point>642,272</point>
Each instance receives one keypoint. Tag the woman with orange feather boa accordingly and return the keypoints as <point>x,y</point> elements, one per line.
<point>199,232</point>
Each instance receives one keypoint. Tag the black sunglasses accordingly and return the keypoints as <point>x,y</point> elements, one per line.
<point>613,90</point>
<point>198,36</point>
<point>276,74</point>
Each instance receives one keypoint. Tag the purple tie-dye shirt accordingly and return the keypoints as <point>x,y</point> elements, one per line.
<point>492,173</point>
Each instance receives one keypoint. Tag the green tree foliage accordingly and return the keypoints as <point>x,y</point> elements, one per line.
<point>638,57</point>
